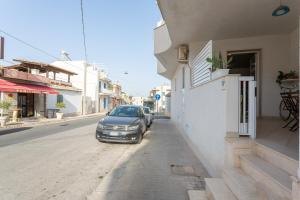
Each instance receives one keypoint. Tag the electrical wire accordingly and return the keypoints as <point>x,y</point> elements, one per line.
<point>83,30</point>
<point>37,49</point>
<point>26,43</point>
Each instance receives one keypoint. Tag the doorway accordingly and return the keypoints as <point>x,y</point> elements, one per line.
<point>247,63</point>
<point>26,104</point>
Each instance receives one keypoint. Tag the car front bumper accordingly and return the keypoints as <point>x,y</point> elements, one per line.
<point>127,137</point>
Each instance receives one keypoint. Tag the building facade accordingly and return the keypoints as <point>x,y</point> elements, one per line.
<point>92,82</point>
<point>230,116</point>
<point>28,85</point>
<point>105,92</point>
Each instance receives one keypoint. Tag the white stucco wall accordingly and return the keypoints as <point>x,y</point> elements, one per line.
<point>72,100</point>
<point>278,52</point>
<point>77,81</point>
<point>200,115</point>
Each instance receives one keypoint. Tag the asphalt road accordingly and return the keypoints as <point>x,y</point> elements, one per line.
<point>19,135</point>
<point>59,161</point>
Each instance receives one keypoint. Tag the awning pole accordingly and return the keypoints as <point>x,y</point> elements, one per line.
<point>2,99</point>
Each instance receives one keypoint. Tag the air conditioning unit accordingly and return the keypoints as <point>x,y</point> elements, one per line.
<point>182,54</point>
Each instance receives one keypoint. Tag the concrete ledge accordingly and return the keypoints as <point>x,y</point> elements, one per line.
<point>197,195</point>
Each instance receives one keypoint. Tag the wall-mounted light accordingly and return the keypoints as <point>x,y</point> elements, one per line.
<point>281,10</point>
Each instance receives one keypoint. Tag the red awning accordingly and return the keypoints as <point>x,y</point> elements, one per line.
<point>7,86</point>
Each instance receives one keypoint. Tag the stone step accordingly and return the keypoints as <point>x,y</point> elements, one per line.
<point>265,173</point>
<point>278,159</point>
<point>216,189</point>
<point>241,185</point>
<point>197,195</point>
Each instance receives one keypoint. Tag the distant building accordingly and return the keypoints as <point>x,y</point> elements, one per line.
<point>116,97</point>
<point>105,92</point>
<point>138,101</point>
<point>163,104</point>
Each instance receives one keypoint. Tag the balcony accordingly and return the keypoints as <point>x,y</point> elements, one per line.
<point>106,92</point>
<point>14,74</point>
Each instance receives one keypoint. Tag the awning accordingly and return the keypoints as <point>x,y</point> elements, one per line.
<point>7,86</point>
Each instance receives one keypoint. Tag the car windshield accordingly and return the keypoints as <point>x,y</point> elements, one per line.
<point>125,111</point>
<point>146,110</point>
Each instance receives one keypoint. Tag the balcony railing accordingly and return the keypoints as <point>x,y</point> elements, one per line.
<point>8,73</point>
<point>60,83</point>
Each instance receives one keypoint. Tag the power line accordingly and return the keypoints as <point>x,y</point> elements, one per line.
<point>37,49</point>
<point>7,61</point>
<point>83,29</point>
<point>26,43</point>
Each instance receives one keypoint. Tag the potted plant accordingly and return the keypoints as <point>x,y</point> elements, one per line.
<point>4,106</point>
<point>292,75</point>
<point>219,66</point>
<point>60,105</point>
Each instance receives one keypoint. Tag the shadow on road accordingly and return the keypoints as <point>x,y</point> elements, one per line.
<point>147,170</point>
<point>13,130</point>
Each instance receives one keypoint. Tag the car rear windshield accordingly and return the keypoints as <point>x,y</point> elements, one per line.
<point>146,110</point>
<point>125,111</point>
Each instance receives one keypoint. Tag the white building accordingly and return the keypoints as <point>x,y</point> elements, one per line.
<point>138,100</point>
<point>232,121</point>
<point>163,104</point>
<point>92,82</point>
<point>105,92</point>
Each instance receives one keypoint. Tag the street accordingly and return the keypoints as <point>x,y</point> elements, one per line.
<point>62,161</point>
<point>65,161</point>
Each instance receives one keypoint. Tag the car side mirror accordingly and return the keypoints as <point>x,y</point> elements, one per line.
<point>107,113</point>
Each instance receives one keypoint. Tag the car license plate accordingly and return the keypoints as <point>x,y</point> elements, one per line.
<point>115,133</point>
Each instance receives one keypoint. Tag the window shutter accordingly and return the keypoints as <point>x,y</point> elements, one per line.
<point>200,68</point>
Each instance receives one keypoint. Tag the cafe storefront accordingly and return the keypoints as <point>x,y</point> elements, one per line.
<point>29,100</point>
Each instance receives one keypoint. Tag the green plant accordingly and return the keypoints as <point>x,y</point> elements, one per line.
<point>5,105</point>
<point>218,62</point>
<point>283,76</point>
<point>60,105</point>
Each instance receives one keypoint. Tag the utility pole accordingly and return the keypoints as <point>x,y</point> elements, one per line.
<point>84,109</point>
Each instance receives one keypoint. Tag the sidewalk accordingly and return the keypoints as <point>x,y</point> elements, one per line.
<point>45,121</point>
<point>162,167</point>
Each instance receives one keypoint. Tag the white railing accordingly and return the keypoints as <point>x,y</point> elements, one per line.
<point>247,106</point>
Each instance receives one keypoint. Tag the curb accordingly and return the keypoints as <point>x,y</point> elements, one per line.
<point>35,124</point>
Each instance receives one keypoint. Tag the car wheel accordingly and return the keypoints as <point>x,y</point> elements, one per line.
<point>140,137</point>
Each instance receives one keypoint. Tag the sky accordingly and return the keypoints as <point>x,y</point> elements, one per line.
<point>119,36</point>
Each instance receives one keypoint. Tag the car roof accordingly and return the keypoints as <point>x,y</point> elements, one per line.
<point>136,106</point>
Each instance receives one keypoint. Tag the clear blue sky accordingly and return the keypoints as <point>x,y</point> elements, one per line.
<point>119,35</point>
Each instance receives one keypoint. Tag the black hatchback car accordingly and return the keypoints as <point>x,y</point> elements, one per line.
<point>124,124</point>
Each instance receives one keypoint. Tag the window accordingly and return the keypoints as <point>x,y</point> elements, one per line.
<point>183,77</point>
<point>104,85</point>
<point>99,86</point>
<point>59,98</point>
<point>104,103</point>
